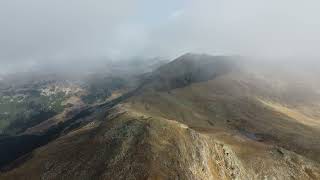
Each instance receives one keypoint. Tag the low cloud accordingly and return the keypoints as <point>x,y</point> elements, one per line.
<point>41,31</point>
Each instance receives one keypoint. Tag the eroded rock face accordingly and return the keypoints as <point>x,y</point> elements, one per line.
<point>184,153</point>
<point>131,145</point>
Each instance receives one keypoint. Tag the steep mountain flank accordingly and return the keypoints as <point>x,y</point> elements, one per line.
<point>191,68</point>
<point>198,117</point>
<point>132,145</point>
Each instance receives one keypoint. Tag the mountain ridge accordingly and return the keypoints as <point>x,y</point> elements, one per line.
<point>224,124</point>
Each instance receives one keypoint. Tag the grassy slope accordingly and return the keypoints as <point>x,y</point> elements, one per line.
<point>134,145</point>
<point>18,113</point>
<point>229,127</point>
<point>227,103</point>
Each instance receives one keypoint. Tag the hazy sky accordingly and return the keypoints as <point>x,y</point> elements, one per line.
<point>36,32</point>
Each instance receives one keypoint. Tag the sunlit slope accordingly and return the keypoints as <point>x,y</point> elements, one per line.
<point>239,99</point>
<point>133,145</point>
<point>231,122</point>
<point>293,114</point>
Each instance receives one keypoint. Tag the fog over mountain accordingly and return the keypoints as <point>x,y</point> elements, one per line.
<point>39,32</point>
<point>167,89</point>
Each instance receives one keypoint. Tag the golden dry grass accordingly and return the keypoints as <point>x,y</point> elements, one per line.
<point>292,113</point>
<point>215,129</point>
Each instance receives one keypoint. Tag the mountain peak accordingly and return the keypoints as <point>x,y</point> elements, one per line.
<point>190,68</point>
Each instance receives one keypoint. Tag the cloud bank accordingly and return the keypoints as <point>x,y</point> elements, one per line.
<point>44,31</point>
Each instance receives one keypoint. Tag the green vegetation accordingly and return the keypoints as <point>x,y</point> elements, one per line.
<point>100,89</point>
<point>19,112</point>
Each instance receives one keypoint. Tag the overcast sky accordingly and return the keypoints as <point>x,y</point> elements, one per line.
<point>36,32</point>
